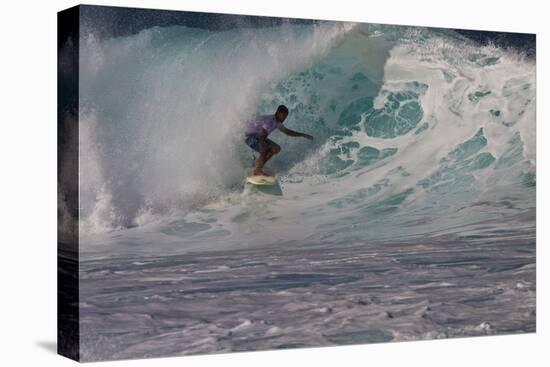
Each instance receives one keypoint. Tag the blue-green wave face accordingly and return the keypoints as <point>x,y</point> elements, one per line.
<point>417,131</point>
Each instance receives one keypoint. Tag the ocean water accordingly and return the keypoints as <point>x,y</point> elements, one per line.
<point>411,215</point>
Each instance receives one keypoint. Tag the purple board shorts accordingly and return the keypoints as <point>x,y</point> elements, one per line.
<point>253,141</point>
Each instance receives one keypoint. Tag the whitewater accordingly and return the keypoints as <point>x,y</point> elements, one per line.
<point>409,216</point>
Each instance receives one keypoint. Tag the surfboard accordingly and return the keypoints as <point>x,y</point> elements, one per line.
<point>261,180</point>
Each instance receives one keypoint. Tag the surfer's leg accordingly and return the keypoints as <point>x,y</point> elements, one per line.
<point>273,149</point>
<point>253,142</point>
<point>260,161</point>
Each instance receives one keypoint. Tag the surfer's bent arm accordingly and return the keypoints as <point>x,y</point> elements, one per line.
<point>289,132</point>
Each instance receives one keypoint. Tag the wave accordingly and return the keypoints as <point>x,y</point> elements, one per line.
<point>416,130</point>
<point>161,111</point>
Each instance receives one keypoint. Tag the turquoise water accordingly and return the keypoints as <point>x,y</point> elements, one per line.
<point>413,129</point>
<point>411,215</point>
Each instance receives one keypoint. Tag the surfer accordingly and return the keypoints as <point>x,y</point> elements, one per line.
<point>256,136</point>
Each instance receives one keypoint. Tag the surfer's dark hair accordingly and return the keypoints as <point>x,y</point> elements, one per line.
<point>282,108</point>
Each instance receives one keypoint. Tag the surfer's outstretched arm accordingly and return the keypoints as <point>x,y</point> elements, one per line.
<point>289,132</point>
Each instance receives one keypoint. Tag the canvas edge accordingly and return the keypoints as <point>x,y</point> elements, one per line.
<point>68,330</point>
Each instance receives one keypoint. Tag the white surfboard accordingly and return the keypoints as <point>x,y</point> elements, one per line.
<point>261,180</point>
